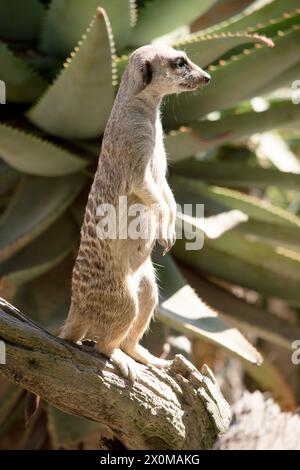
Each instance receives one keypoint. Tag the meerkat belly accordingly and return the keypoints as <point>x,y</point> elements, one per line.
<point>141,233</point>
<point>159,160</point>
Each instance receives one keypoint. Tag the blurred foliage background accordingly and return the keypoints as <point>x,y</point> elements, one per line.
<point>233,147</point>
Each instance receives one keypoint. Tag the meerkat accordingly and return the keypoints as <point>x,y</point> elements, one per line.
<point>114,290</point>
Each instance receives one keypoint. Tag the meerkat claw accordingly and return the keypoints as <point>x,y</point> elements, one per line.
<point>167,244</point>
<point>160,363</point>
<point>125,364</point>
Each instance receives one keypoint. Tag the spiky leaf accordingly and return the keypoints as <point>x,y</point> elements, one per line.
<point>243,261</point>
<point>30,154</point>
<point>49,249</point>
<point>36,204</point>
<point>249,316</point>
<point>60,37</point>
<point>236,174</point>
<point>8,177</point>
<point>282,80</point>
<point>23,84</point>
<point>199,136</point>
<point>184,311</point>
<point>253,69</point>
<point>157,18</point>
<point>206,49</point>
<point>78,103</point>
<point>255,17</point>
<point>227,198</point>
<point>47,298</point>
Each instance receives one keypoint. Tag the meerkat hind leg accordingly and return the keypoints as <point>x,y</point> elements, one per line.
<point>148,298</point>
<point>72,331</point>
<point>141,354</point>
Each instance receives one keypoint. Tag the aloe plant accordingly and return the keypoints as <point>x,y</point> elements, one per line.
<point>61,68</point>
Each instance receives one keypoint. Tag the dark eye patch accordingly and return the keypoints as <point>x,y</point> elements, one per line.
<point>179,62</point>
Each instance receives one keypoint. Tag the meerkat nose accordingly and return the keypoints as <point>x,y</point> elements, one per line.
<point>206,78</point>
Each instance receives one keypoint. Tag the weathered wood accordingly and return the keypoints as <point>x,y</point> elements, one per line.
<point>258,424</point>
<point>180,408</point>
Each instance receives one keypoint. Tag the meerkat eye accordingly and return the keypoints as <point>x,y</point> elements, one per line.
<point>180,62</point>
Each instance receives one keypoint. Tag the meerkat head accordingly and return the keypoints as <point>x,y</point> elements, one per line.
<point>163,70</point>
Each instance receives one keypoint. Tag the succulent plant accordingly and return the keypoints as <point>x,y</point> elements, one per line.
<point>61,68</point>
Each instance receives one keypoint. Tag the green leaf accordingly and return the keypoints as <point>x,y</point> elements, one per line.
<point>243,314</point>
<point>47,298</point>
<point>213,226</point>
<point>256,17</point>
<point>20,21</point>
<point>8,177</point>
<point>235,174</point>
<point>274,234</point>
<point>181,309</point>
<point>45,252</point>
<point>220,11</point>
<point>67,430</point>
<point>30,154</point>
<point>225,198</point>
<point>204,50</point>
<point>188,141</point>
<point>59,37</point>
<point>284,79</point>
<point>274,27</point>
<point>235,258</point>
<point>157,18</point>
<point>37,203</point>
<point>23,84</point>
<point>203,135</point>
<point>78,103</point>
<point>283,23</point>
<point>183,143</point>
<point>236,125</point>
<point>254,68</point>
<point>266,222</point>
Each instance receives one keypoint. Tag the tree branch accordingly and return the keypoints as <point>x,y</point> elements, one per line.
<point>175,409</point>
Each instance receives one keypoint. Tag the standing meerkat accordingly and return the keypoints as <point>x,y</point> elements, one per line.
<point>114,291</point>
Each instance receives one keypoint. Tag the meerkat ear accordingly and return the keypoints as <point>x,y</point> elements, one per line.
<point>146,73</point>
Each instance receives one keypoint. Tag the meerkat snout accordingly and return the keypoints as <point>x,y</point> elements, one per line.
<point>204,77</point>
<point>164,71</point>
<point>195,78</point>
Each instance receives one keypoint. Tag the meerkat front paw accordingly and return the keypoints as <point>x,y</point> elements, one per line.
<point>168,241</point>
<point>127,366</point>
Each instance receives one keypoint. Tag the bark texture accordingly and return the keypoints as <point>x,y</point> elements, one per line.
<point>180,408</point>
<point>258,424</point>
